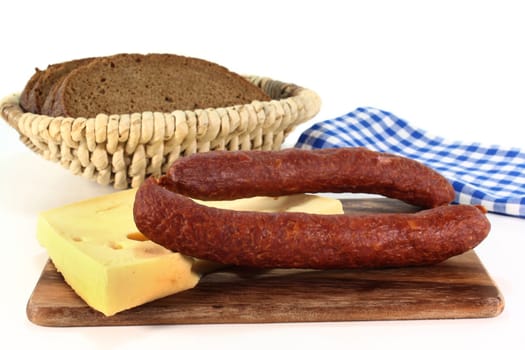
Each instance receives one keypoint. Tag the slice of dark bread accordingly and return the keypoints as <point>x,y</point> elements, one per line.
<point>28,97</point>
<point>52,77</point>
<point>35,93</point>
<point>127,83</point>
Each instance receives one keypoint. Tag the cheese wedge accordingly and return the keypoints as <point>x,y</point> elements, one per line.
<point>97,248</point>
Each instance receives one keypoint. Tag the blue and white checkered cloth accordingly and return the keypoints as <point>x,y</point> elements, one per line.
<point>491,176</point>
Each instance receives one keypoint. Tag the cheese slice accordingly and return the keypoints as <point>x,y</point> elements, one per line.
<point>97,248</point>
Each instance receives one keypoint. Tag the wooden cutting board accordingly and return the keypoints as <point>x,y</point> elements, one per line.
<point>457,288</point>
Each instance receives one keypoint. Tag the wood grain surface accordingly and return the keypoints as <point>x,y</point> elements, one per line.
<point>457,288</point>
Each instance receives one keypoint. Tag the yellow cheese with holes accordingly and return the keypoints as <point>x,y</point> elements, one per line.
<point>112,267</point>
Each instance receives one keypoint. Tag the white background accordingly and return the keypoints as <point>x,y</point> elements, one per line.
<point>455,68</point>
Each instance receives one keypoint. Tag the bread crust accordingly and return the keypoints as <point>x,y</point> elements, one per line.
<point>28,95</point>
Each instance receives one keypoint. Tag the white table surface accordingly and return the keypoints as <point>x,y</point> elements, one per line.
<point>454,68</point>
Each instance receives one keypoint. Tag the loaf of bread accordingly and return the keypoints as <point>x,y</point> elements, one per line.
<point>127,83</point>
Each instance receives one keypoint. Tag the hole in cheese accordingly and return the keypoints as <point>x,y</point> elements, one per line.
<point>137,236</point>
<point>115,245</point>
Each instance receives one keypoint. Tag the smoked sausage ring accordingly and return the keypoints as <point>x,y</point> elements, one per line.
<point>299,240</point>
<point>222,175</point>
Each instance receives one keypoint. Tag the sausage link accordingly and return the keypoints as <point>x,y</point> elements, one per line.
<point>299,240</point>
<point>222,175</point>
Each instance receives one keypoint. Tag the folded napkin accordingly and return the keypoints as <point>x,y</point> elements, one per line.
<point>488,175</point>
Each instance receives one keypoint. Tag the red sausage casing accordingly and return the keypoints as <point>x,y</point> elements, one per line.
<point>224,175</point>
<point>306,240</point>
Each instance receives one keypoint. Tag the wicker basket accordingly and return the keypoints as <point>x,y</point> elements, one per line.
<point>123,150</point>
